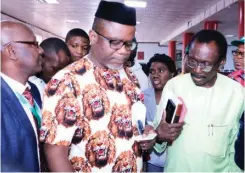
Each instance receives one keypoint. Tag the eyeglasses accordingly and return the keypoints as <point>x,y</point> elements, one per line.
<point>118,44</point>
<point>237,52</point>
<point>194,64</point>
<point>33,43</point>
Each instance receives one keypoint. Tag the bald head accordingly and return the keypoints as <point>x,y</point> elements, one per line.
<point>15,31</point>
<point>20,54</point>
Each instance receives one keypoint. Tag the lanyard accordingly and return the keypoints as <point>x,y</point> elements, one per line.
<point>34,109</point>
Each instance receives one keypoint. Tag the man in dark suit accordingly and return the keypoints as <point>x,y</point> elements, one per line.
<point>20,114</point>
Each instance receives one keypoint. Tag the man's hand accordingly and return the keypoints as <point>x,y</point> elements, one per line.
<point>168,132</point>
<point>148,144</point>
<point>57,158</point>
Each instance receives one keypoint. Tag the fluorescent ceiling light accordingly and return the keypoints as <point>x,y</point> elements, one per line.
<point>138,22</point>
<point>72,21</point>
<point>131,3</point>
<point>229,35</point>
<point>49,1</point>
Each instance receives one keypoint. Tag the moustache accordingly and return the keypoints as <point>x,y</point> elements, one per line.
<point>197,76</point>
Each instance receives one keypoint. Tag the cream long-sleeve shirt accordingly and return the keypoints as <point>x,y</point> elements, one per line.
<point>206,143</point>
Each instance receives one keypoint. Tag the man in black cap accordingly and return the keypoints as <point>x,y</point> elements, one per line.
<point>238,58</point>
<point>92,109</point>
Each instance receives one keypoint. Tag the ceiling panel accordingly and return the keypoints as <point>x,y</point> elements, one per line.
<point>157,20</point>
<point>228,25</point>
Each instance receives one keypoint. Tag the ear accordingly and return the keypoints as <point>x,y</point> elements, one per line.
<point>93,37</point>
<point>10,52</point>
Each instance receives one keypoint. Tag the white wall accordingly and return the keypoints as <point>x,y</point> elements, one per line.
<point>229,58</point>
<point>150,49</point>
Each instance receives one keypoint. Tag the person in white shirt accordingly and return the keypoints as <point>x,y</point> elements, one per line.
<point>56,57</point>
<point>40,84</point>
<point>20,114</point>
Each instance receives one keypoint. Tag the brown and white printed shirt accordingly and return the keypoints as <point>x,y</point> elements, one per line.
<point>89,109</point>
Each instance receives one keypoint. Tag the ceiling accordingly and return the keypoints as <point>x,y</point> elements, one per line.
<point>228,23</point>
<point>157,20</point>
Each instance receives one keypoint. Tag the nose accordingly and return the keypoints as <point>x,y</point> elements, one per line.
<point>155,75</point>
<point>198,69</point>
<point>79,49</point>
<point>240,55</point>
<point>124,51</point>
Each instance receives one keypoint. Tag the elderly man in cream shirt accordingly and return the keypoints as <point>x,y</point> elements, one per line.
<point>214,106</point>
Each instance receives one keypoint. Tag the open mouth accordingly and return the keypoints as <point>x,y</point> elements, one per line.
<point>101,152</point>
<point>238,65</point>
<point>79,132</point>
<point>127,125</point>
<point>126,169</point>
<point>156,82</point>
<point>97,105</point>
<point>54,82</point>
<point>70,117</point>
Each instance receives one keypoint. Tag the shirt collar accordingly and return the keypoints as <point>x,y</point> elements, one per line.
<point>32,78</point>
<point>204,88</point>
<point>15,85</point>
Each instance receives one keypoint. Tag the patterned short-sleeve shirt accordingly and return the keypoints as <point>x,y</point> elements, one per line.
<point>238,76</point>
<point>89,109</point>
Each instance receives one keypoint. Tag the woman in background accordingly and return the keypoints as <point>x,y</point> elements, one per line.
<point>161,68</point>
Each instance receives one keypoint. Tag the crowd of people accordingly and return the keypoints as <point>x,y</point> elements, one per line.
<point>80,104</point>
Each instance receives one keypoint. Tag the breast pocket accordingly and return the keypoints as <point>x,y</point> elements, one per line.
<point>217,140</point>
<point>212,139</point>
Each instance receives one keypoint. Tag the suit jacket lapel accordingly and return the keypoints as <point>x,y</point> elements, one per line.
<point>9,98</point>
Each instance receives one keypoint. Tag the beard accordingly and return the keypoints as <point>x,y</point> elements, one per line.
<point>101,64</point>
<point>114,67</point>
